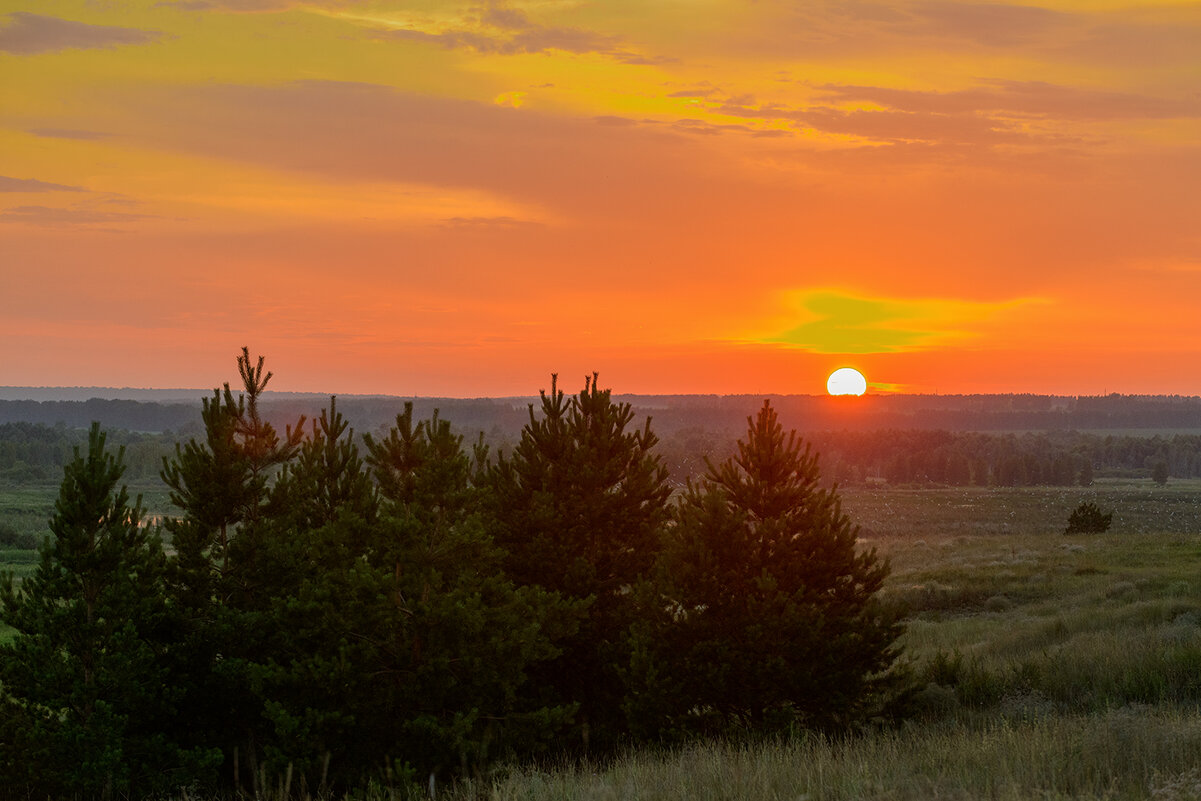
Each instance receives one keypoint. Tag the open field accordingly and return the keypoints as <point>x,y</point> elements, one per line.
<point>1139,507</point>
<point>1047,666</point>
<point>28,507</point>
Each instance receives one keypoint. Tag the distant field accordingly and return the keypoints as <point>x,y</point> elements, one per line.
<point>1138,506</point>
<point>28,507</point>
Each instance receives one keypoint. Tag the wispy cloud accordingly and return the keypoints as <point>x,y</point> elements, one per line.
<point>504,30</point>
<point>232,5</point>
<point>33,185</point>
<point>27,34</point>
<point>50,217</point>
<point>355,132</point>
<point>1031,98</point>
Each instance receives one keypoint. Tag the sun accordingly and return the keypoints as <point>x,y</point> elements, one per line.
<point>846,381</point>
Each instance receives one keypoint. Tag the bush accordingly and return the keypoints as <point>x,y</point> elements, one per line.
<point>1088,518</point>
<point>11,538</point>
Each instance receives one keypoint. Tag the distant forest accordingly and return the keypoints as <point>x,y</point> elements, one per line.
<point>958,440</point>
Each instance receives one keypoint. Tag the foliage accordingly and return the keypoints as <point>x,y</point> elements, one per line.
<point>11,538</point>
<point>577,509</point>
<point>1159,472</point>
<point>220,485</point>
<point>87,699</point>
<point>1087,518</point>
<point>763,613</point>
<point>391,633</point>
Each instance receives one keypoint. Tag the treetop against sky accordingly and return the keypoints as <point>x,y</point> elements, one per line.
<point>446,198</point>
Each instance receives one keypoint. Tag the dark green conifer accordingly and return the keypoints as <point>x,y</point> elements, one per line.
<point>220,486</point>
<point>578,508</point>
<point>763,615</point>
<point>87,674</point>
<point>390,634</point>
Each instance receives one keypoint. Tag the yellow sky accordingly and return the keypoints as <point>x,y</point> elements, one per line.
<point>443,198</point>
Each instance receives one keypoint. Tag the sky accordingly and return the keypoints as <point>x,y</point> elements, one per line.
<point>687,196</point>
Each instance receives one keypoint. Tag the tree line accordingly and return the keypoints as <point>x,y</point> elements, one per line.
<point>325,610</point>
<point>35,453</point>
<point>1054,458</point>
<point>719,413</point>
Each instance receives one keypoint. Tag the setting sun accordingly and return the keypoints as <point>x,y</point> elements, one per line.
<point>846,381</point>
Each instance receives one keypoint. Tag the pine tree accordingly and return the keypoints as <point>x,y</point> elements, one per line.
<point>87,673</point>
<point>763,614</point>
<point>391,635</point>
<point>221,486</point>
<point>578,508</point>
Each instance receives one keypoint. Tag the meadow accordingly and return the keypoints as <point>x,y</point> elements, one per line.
<point>1045,666</point>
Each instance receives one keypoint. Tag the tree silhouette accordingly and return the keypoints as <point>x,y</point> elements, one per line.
<point>578,508</point>
<point>86,674</point>
<point>764,613</point>
<point>1087,518</point>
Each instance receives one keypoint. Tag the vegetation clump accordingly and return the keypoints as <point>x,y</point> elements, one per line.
<point>1087,518</point>
<point>335,612</point>
<point>763,614</point>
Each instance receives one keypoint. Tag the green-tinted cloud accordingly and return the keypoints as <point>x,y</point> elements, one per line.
<point>844,323</point>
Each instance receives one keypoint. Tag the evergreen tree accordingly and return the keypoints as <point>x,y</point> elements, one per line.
<point>1087,518</point>
<point>87,674</point>
<point>578,508</point>
<point>221,486</point>
<point>390,636</point>
<point>763,613</point>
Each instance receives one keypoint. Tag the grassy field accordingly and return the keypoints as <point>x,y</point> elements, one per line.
<point>1047,666</point>
<point>1139,507</point>
<point>28,507</point>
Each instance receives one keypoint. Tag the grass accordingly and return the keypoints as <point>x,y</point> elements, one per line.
<point>1049,666</point>
<point>1126,753</point>
<point>1139,507</point>
<point>28,507</point>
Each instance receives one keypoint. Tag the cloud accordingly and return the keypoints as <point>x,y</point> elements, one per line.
<point>27,34</point>
<point>510,99</point>
<point>33,185</point>
<point>364,132</point>
<point>532,41</point>
<point>845,323</point>
<point>505,30</point>
<point>1156,36</point>
<point>997,112</point>
<point>57,217</point>
<point>1031,98</point>
<point>904,126</point>
<point>987,24</point>
<point>242,6</point>
<point>890,126</point>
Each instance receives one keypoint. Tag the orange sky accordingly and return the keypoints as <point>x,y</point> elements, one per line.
<point>442,198</point>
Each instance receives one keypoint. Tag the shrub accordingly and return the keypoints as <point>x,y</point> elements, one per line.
<point>11,538</point>
<point>1088,518</point>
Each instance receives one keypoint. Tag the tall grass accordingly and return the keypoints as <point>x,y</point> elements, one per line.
<point>1126,753</point>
